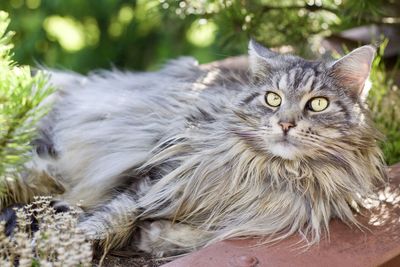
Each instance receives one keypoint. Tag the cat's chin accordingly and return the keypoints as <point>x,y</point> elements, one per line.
<point>285,150</point>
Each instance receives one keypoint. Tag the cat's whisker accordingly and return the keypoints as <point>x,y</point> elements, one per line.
<point>335,144</point>
<point>332,149</point>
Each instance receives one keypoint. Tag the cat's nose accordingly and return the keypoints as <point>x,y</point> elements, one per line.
<point>286,126</point>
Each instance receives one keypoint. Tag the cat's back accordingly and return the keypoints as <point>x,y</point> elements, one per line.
<point>115,98</point>
<point>107,86</point>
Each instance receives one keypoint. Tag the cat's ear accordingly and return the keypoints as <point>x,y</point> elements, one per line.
<point>352,70</point>
<point>261,59</point>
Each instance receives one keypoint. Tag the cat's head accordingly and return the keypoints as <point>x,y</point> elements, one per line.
<point>298,108</point>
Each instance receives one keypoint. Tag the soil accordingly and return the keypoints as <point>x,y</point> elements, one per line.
<point>114,261</point>
<point>125,258</point>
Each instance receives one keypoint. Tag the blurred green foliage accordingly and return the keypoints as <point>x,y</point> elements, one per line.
<point>84,35</point>
<point>143,34</point>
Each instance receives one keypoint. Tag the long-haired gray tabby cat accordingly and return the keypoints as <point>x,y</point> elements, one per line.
<point>176,159</point>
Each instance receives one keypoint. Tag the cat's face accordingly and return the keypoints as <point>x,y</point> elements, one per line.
<point>299,108</point>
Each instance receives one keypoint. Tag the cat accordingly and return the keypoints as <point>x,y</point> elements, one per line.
<point>173,160</point>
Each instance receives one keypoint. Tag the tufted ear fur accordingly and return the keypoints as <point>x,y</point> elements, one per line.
<point>352,71</point>
<point>260,58</point>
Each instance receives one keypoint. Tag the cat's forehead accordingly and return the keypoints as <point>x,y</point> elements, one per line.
<point>299,77</point>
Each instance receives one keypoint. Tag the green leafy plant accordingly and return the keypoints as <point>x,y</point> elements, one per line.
<point>21,95</point>
<point>384,101</point>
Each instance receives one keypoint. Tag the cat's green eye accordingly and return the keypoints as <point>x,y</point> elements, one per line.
<point>318,104</point>
<point>273,99</point>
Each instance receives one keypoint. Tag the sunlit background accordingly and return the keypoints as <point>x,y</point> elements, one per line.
<point>83,35</point>
<point>142,34</point>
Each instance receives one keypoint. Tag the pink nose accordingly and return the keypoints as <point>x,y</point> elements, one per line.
<point>286,126</point>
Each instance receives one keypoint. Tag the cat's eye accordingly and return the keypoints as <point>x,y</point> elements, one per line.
<point>318,104</point>
<point>273,99</point>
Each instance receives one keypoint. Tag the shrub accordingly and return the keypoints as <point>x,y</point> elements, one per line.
<point>21,106</point>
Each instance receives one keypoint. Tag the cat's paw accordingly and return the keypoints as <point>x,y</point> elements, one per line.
<point>150,239</point>
<point>92,229</point>
<point>164,238</point>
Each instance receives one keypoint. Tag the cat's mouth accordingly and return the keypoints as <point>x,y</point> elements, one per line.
<point>285,140</point>
<point>285,147</point>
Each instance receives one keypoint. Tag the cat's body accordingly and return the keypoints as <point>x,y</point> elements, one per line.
<point>198,146</point>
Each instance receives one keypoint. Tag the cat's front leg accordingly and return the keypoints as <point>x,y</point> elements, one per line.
<point>111,224</point>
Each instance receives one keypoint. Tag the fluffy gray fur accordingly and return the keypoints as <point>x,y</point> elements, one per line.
<point>192,154</point>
